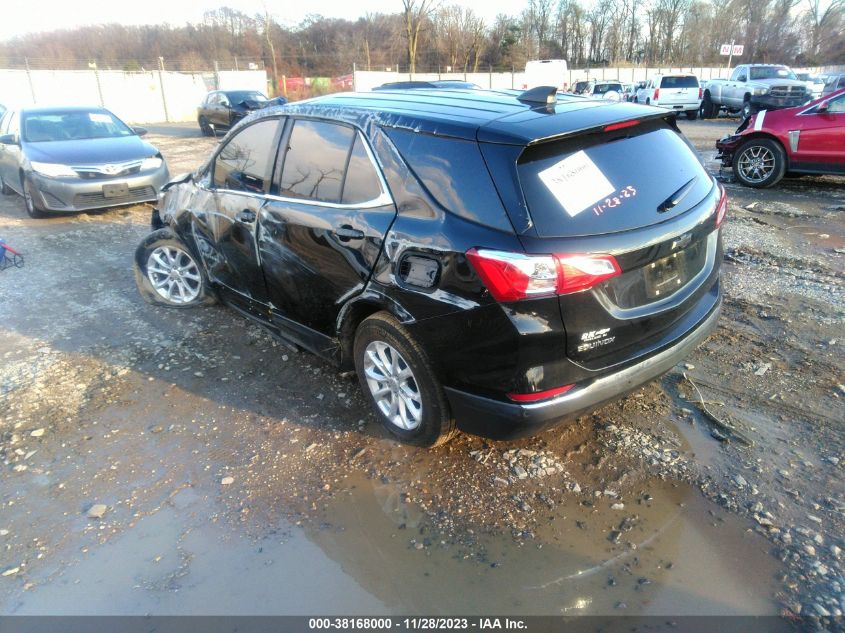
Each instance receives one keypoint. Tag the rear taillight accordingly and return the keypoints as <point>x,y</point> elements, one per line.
<point>656,94</point>
<point>700,93</point>
<point>722,208</point>
<point>516,276</point>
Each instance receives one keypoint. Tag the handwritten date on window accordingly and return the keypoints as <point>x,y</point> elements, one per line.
<point>616,200</point>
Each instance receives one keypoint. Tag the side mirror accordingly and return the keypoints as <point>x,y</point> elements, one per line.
<point>742,78</point>
<point>824,106</point>
<point>9,139</point>
<point>140,131</point>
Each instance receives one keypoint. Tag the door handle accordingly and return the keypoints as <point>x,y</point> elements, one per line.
<point>246,216</point>
<point>346,233</point>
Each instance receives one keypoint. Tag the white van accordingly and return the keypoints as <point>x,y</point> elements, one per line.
<point>545,72</point>
<point>677,91</point>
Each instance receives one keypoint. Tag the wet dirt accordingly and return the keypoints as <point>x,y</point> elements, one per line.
<point>239,476</point>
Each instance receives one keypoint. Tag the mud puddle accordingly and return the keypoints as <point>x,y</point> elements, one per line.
<point>668,553</point>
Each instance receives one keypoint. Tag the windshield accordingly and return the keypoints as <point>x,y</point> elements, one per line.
<point>72,125</point>
<point>771,72</point>
<point>245,95</point>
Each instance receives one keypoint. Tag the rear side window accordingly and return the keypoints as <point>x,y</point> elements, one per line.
<point>246,161</point>
<point>679,82</point>
<point>316,160</point>
<point>588,185</point>
<point>455,174</point>
<point>361,183</point>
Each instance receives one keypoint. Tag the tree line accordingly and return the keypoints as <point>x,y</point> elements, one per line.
<point>431,35</point>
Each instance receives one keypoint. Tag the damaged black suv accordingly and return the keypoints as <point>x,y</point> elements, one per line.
<point>487,261</point>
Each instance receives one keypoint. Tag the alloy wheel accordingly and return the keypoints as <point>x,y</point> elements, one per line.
<point>392,385</point>
<point>756,163</point>
<point>174,274</point>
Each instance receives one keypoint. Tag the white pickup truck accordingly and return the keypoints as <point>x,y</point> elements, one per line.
<point>751,88</point>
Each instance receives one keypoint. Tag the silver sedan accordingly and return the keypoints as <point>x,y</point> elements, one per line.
<point>75,159</point>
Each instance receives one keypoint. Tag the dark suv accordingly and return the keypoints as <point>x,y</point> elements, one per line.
<point>480,258</point>
<point>222,109</point>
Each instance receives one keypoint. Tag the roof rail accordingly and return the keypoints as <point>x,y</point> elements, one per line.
<point>541,95</point>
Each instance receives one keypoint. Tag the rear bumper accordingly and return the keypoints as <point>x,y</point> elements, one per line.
<point>504,420</point>
<point>680,107</point>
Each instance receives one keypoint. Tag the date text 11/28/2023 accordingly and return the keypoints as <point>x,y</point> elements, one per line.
<point>416,624</point>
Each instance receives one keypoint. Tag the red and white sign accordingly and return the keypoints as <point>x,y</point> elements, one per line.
<point>738,48</point>
<point>725,49</point>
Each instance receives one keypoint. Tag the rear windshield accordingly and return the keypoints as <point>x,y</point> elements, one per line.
<point>604,183</point>
<point>600,89</point>
<point>687,81</point>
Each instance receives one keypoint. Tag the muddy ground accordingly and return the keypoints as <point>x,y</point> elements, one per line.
<point>183,461</point>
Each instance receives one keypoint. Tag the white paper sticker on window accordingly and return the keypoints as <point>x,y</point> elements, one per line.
<point>576,182</point>
<point>98,117</point>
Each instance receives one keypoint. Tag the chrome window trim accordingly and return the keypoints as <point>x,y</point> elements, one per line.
<point>383,199</point>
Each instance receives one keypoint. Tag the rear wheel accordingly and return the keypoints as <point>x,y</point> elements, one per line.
<point>692,115</point>
<point>167,274</point>
<point>747,109</point>
<point>398,380</point>
<point>707,107</point>
<point>33,209</point>
<point>759,163</point>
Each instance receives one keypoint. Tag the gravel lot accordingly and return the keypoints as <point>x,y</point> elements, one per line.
<point>167,461</point>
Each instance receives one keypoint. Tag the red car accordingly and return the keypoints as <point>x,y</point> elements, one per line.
<point>809,139</point>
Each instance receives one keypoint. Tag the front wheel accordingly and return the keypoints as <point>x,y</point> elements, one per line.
<point>33,209</point>
<point>398,380</point>
<point>167,274</point>
<point>747,110</point>
<point>759,163</point>
<point>205,127</point>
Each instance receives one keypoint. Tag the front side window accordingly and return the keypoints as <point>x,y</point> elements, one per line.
<point>245,163</point>
<point>316,160</point>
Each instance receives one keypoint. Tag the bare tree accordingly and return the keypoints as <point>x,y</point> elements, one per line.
<point>416,13</point>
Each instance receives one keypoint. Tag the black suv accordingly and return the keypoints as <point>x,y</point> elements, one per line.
<point>482,259</point>
<point>222,109</point>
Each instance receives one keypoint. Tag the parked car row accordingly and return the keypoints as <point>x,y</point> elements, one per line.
<point>483,260</point>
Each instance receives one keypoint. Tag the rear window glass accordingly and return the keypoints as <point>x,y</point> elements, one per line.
<point>455,174</point>
<point>361,183</point>
<point>591,185</point>
<point>679,82</point>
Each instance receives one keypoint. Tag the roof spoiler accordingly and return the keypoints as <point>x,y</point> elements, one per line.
<point>541,95</point>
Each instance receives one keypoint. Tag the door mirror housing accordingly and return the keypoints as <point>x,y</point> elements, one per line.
<point>742,78</point>
<point>824,106</point>
<point>140,131</point>
<point>9,139</point>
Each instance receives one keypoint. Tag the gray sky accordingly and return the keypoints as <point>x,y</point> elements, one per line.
<point>27,16</point>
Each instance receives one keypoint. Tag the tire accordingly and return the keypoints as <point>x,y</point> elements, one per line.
<point>707,107</point>
<point>205,127</point>
<point>156,256</point>
<point>383,348</point>
<point>692,115</point>
<point>759,163</point>
<point>5,189</point>
<point>747,110</point>
<point>33,209</point>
